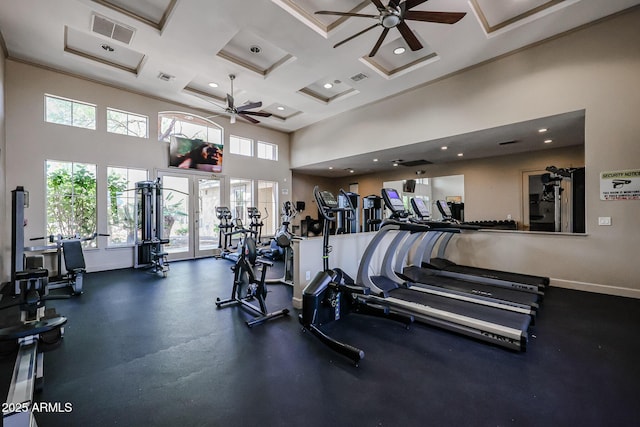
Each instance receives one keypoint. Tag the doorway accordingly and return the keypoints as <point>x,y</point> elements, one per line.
<point>189,214</point>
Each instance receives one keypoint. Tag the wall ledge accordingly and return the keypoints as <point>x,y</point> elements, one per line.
<point>596,288</point>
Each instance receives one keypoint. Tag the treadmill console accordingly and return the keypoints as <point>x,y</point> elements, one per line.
<point>420,208</point>
<point>444,209</point>
<point>327,200</point>
<point>394,202</point>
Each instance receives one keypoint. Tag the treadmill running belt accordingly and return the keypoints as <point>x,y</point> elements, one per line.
<point>424,275</point>
<point>527,279</point>
<point>480,312</point>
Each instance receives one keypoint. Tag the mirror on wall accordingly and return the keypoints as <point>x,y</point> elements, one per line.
<point>554,200</point>
<point>449,188</point>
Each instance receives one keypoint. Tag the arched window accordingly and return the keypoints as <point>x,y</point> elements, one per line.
<point>185,125</point>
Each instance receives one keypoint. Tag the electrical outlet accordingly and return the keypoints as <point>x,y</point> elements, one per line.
<point>307,275</point>
<point>604,220</point>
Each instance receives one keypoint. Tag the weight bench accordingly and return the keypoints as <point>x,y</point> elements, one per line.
<point>75,266</point>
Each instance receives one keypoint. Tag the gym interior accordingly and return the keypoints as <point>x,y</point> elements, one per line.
<point>286,276</point>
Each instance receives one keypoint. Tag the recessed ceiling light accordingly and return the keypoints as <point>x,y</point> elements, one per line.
<point>444,147</point>
<point>375,160</point>
<point>543,130</point>
<point>255,49</point>
<point>280,108</point>
<point>399,50</point>
<point>460,154</point>
<point>213,84</point>
<point>330,167</point>
<point>395,164</point>
<point>328,85</point>
<point>351,171</point>
<point>548,141</point>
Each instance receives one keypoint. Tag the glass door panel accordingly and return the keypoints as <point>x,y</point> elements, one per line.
<point>207,222</point>
<point>176,214</point>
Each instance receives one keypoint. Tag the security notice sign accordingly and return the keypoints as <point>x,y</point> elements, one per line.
<point>620,185</point>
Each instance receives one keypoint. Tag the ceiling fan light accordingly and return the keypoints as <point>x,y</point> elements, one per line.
<point>390,20</point>
<point>213,84</point>
<point>328,85</point>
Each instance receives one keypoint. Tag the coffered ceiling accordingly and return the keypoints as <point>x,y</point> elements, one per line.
<point>280,51</point>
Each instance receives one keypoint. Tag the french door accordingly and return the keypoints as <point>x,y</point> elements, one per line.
<point>189,214</point>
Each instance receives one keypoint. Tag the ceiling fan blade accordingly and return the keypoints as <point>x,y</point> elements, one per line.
<point>378,4</point>
<point>437,17</point>
<point>329,12</point>
<point>229,101</point>
<point>408,36</point>
<point>210,101</point>
<point>249,106</point>
<point>410,4</point>
<point>394,3</point>
<point>355,35</point>
<point>257,113</point>
<point>378,43</point>
<point>249,119</point>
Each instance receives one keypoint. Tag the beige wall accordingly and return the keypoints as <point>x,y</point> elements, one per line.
<point>30,142</point>
<point>303,191</point>
<point>595,69</point>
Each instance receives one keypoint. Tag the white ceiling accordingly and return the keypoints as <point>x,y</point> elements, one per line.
<point>195,42</point>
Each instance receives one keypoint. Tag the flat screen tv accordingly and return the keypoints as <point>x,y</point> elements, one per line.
<point>188,153</point>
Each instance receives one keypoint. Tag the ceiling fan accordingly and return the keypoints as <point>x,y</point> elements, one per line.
<point>394,15</point>
<point>241,110</point>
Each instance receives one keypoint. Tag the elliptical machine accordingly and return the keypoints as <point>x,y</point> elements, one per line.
<point>249,284</point>
<point>281,244</point>
<point>332,294</point>
<point>256,223</point>
<point>224,216</point>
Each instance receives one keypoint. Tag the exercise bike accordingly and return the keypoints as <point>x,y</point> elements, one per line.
<point>332,294</point>
<point>249,273</point>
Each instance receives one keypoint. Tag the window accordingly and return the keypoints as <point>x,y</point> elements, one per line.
<point>188,126</point>
<point>120,204</point>
<point>70,113</point>
<point>241,146</point>
<point>267,205</point>
<point>124,123</point>
<point>241,198</point>
<point>267,151</point>
<point>71,199</point>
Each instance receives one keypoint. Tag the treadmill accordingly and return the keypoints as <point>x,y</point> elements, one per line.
<point>445,267</point>
<point>495,325</point>
<point>426,278</point>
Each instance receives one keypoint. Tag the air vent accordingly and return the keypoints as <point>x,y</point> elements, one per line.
<point>415,163</point>
<point>507,142</point>
<point>112,29</point>
<point>166,77</point>
<point>359,77</point>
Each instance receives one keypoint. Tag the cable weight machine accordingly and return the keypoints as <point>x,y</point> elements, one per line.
<point>149,251</point>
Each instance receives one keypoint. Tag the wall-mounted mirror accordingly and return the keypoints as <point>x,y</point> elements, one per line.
<point>449,188</point>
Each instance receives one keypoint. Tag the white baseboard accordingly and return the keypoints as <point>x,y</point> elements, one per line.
<point>597,288</point>
<point>297,303</point>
